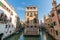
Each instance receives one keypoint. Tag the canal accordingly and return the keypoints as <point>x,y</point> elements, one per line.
<point>19,36</point>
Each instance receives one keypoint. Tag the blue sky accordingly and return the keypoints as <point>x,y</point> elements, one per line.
<point>44,7</point>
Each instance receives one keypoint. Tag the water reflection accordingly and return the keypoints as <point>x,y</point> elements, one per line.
<point>29,38</point>
<point>20,36</point>
<point>14,37</point>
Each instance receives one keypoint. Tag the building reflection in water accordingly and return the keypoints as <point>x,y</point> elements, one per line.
<point>43,36</point>
<point>29,38</point>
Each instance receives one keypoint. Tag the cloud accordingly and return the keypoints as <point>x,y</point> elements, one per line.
<point>20,8</point>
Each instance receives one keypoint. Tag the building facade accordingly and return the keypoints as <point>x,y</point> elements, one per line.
<point>12,19</point>
<point>31,24</point>
<point>54,28</point>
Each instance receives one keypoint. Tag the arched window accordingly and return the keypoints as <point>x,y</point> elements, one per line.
<point>52,15</point>
<point>56,32</point>
<point>27,7</point>
<point>1,15</point>
<point>35,20</point>
<point>31,15</point>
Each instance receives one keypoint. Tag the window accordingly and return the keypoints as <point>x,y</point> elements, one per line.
<point>27,22</point>
<point>27,7</point>
<point>5,16</point>
<point>6,26</point>
<point>34,7</point>
<point>31,26</point>
<point>11,13</point>
<point>31,15</point>
<point>10,31</point>
<point>59,21</point>
<point>3,6</point>
<point>27,26</point>
<point>35,26</point>
<point>48,24</point>
<point>58,11</point>
<point>35,21</point>
<point>0,19</point>
<point>7,8</point>
<point>27,13</point>
<point>34,14</point>
<point>1,14</point>
<point>53,24</point>
<point>56,32</point>
<point>52,14</point>
<point>31,8</point>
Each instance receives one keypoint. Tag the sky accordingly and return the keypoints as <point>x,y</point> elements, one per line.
<point>44,7</point>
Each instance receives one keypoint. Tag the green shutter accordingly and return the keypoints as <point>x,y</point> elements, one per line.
<point>1,3</point>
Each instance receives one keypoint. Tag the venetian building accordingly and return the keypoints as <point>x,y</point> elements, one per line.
<point>55,17</point>
<point>32,15</point>
<point>8,11</point>
<point>32,20</point>
<point>49,24</point>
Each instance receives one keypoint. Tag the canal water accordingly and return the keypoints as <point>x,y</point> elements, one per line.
<point>43,36</point>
